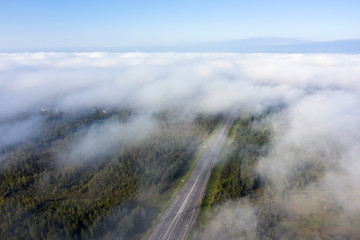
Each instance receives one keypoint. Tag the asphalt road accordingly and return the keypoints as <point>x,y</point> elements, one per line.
<point>178,219</point>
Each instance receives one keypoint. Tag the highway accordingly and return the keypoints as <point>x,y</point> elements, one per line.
<point>178,219</point>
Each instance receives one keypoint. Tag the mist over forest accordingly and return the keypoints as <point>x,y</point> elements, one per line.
<point>91,143</point>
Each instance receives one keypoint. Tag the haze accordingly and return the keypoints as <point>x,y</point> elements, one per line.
<point>143,74</point>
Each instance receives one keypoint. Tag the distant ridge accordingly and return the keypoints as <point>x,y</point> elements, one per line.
<point>251,45</point>
<point>280,45</point>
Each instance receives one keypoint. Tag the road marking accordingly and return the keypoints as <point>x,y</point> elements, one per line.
<point>186,200</point>
<point>208,156</point>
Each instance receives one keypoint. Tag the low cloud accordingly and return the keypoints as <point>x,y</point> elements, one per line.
<point>195,82</point>
<point>102,139</point>
<point>318,126</point>
<point>20,130</point>
<point>232,221</point>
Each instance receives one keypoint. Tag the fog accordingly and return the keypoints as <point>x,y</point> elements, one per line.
<point>103,139</point>
<point>15,132</point>
<point>155,81</point>
<point>319,124</point>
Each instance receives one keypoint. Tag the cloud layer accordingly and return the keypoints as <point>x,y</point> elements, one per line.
<point>196,82</point>
<point>318,126</point>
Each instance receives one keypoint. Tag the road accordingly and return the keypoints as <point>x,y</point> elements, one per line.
<point>178,219</point>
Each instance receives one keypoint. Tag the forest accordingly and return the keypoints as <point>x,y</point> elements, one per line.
<point>97,196</point>
<point>241,204</point>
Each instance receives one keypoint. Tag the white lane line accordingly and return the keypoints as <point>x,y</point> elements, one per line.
<point>179,196</point>
<point>215,140</point>
<point>184,203</point>
<point>218,138</point>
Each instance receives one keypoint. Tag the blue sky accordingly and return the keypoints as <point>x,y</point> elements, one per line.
<point>70,24</point>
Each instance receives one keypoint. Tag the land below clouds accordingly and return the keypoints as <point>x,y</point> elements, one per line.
<point>74,124</point>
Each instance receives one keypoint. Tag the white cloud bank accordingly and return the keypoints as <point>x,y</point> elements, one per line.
<point>196,82</point>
